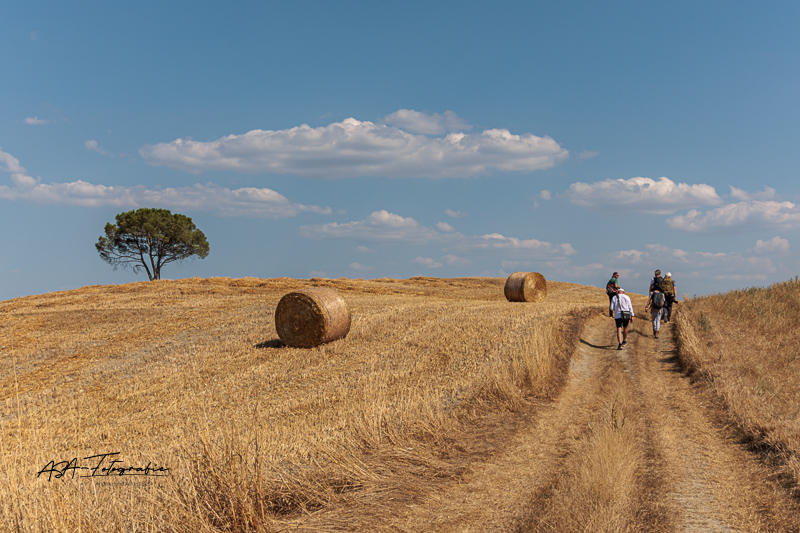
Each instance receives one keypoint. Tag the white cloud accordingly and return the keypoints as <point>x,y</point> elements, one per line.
<point>246,202</point>
<point>456,261</point>
<point>36,121</point>
<point>454,214</point>
<point>774,245</point>
<point>449,259</point>
<point>545,195</point>
<point>752,215</point>
<point>359,148</point>
<point>382,226</point>
<point>497,241</point>
<point>750,267</point>
<point>444,226</point>
<point>594,272</point>
<point>633,257</point>
<point>360,267</point>
<point>428,262</point>
<point>586,154</point>
<point>379,226</point>
<point>426,123</point>
<point>767,194</point>
<point>93,146</point>
<point>642,195</point>
<point>9,163</point>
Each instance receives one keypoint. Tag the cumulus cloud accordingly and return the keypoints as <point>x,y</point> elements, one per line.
<point>767,194</point>
<point>428,262</point>
<point>633,257</point>
<point>586,154</point>
<point>752,215</point>
<point>497,241</point>
<point>383,226</point>
<point>426,123</point>
<point>454,214</point>
<point>456,261</point>
<point>448,259</point>
<point>36,121</point>
<point>353,148</point>
<point>9,163</point>
<point>643,195</point>
<point>444,226</point>
<point>247,202</point>
<point>774,245</point>
<point>717,268</point>
<point>93,146</point>
<point>379,226</point>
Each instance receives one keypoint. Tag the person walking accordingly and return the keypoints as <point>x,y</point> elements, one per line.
<point>655,281</point>
<point>612,287</point>
<point>656,304</point>
<point>670,294</point>
<point>622,310</point>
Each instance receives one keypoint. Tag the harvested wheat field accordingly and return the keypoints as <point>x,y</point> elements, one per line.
<point>444,408</point>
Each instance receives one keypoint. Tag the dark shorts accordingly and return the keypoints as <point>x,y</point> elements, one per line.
<point>621,322</point>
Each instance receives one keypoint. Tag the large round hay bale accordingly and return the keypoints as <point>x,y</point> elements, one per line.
<point>310,317</point>
<point>525,287</point>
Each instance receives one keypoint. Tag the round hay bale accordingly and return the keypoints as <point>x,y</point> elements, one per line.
<point>525,287</point>
<point>310,317</point>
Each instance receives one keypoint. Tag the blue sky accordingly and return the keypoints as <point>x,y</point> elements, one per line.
<point>396,139</point>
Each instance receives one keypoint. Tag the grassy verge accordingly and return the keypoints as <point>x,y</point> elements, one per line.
<point>746,346</point>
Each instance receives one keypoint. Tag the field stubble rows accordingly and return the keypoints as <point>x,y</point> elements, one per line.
<point>446,408</point>
<point>188,374</point>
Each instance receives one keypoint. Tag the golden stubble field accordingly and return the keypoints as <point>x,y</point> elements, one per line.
<point>189,376</point>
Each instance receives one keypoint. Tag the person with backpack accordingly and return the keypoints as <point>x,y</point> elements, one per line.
<point>622,311</point>
<point>656,304</point>
<point>655,281</point>
<point>670,293</point>
<point>612,287</point>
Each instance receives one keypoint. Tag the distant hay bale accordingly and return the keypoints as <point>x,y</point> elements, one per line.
<point>310,317</point>
<point>525,287</point>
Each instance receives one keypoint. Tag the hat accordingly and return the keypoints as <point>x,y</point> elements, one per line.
<point>658,272</point>
<point>669,275</point>
<point>620,290</point>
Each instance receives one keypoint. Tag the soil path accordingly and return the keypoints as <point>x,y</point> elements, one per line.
<point>629,445</point>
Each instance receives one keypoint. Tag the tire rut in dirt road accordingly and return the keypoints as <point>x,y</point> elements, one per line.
<point>629,445</point>
<point>711,482</point>
<point>496,494</point>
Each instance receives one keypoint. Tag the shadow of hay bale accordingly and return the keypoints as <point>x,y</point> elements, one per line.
<point>272,343</point>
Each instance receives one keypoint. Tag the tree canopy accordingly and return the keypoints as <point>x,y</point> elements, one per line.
<point>149,238</point>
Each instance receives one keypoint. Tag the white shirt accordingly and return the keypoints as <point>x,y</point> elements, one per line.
<point>619,303</point>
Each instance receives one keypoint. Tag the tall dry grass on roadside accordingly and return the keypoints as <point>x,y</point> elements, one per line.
<point>745,345</point>
<point>189,375</point>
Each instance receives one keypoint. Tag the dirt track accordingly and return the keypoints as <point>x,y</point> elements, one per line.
<point>630,444</point>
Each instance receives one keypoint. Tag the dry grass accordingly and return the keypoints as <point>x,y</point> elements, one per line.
<point>746,345</point>
<point>188,375</point>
